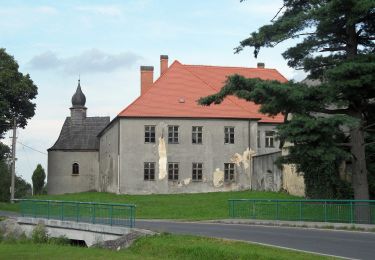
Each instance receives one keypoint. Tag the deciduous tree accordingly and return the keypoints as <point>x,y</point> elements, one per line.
<point>16,93</point>
<point>38,179</point>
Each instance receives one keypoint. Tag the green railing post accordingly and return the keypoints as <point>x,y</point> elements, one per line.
<point>277,209</point>
<point>325,211</point>
<point>131,217</point>
<point>48,213</point>
<point>300,211</point>
<point>93,213</point>
<point>110,214</point>
<point>351,212</point>
<point>230,208</point>
<point>62,210</point>
<point>233,210</point>
<point>77,211</point>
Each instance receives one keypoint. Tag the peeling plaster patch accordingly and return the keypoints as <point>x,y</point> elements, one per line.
<point>186,181</point>
<point>244,158</point>
<point>162,159</point>
<point>218,178</point>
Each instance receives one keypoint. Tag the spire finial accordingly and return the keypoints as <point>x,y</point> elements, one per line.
<point>79,99</point>
<point>79,80</point>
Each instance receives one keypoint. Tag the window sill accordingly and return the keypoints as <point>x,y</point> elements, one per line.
<point>74,174</point>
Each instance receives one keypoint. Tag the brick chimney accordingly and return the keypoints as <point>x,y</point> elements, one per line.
<point>147,78</point>
<point>163,64</point>
<point>260,65</point>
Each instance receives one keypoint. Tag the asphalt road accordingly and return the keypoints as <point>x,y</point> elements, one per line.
<point>358,245</point>
<point>347,244</point>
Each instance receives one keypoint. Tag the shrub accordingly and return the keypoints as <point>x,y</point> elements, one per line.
<point>61,240</point>
<point>39,234</point>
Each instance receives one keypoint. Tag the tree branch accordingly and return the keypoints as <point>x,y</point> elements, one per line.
<point>369,126</point>
<point>366,144</point>
<point>281,8</point>
<point>345,144</point>
<point>334,112</point>
<point>341,48</point>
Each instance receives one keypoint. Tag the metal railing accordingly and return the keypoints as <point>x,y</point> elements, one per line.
<point>335,211</point>
<point>89,212</point>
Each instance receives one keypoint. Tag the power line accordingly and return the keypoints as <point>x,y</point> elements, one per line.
<point>35,150</point>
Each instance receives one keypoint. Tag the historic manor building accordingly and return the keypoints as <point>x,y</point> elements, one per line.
<point>164,142</point>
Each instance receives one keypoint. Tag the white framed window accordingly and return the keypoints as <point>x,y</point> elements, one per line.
<point>228,172</point>
<point>229,135</point>
<point>149,134</point>
<point>197,173</point>
<point>196,134</point>
<point>173,134</point>
<point>270,139</point>
<point>173,170</point>
<point>149,171</point>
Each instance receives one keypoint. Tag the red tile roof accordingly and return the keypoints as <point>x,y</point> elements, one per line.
<point>176,92</point>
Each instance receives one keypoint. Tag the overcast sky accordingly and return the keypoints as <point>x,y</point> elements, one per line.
<point>105,42</point>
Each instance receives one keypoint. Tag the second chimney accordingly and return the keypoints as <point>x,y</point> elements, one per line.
<point>163,64</point>
<point>260,65</point>
<point>147,78</point>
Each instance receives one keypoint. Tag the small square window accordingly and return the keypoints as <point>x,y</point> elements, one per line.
<point>229,135</point>
<point>228,172</point>
<point>197,171</point>
<point>173,171</point>
<point>196,133</point>
<point>149,134</point>
<point>149,171</point>
<point>270,139</point>
<point>173,134</point>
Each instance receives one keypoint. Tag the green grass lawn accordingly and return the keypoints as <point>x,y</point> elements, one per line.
<point>165,246</point>
<point>199,206</point>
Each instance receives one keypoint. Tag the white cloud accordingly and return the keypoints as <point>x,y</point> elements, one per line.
<point>93,60</point>
<point>46,10</point>
<point>107,10</point>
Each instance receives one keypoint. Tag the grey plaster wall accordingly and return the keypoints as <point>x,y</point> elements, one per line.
<point>60,178</point>
<point>266,175</point>
<point>109,159</point>
<point>213,153</point>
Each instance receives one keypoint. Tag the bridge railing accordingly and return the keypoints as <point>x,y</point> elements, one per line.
<point>88,212</point>
<point>335,211</point>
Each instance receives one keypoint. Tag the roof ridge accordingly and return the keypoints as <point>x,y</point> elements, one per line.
<point>231,67</point>
<point>176,62</point>
<point>235,67</point>
<point>228,97</point>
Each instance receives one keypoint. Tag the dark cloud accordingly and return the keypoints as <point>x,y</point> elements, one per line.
<point>93,60</point>
<point>46,60</point>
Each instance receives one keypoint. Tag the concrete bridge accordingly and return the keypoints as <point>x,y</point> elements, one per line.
<point>89,233</point>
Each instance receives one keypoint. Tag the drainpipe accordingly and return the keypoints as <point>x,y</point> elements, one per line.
<point>118,158</point>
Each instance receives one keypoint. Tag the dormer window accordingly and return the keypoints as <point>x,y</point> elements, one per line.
<point>75,168</point>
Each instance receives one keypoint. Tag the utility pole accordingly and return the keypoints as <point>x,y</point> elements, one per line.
<point>14,138</point>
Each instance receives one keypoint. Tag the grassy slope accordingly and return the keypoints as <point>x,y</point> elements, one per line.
<point>173,206</point>
<point>164,246</point>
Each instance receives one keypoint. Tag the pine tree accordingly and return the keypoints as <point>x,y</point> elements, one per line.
<point>333,117</point>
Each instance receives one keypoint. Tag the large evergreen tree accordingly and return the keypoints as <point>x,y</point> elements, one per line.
<point>333,117</point>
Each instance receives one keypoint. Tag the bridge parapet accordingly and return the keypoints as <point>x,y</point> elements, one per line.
<point>85,212</point>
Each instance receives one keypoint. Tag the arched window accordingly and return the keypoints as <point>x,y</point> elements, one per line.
<point>75,169</point>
